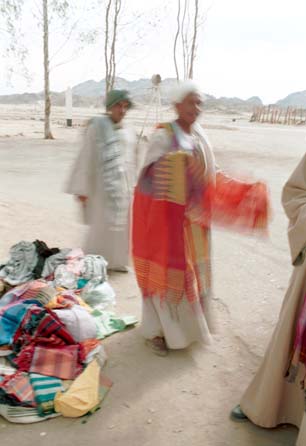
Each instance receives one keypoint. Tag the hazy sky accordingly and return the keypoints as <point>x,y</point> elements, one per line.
<point>246,48</point>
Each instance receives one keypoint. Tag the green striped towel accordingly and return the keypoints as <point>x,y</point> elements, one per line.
<point>23,415</point>
<point>45,389</point>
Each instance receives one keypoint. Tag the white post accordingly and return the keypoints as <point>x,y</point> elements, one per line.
<point>69,107</point>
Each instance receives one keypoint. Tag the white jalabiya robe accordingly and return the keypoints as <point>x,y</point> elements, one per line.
<point>189,324</point>
<point>88,179</point>
<point>188,319</point>
<point>270,400</point>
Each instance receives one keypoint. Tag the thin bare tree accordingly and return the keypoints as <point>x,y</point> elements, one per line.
<point>48,133</point>
<point>12,10</point>
<point>45,12</point>
<point>194,39</point>
<point>106,42</point>
<point>178,29</point>
<point>15,52</point>
<point>112,13</point>
<point>184,36</point>
<point>189,21</point>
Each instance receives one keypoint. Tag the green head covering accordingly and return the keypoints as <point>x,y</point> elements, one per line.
<point>115,96</point>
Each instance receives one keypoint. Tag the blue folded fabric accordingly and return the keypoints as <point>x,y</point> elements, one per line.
<point>10,320</point>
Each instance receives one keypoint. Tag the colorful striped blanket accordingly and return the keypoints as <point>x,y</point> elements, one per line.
<point>176,201</point>
<point>45,389</point>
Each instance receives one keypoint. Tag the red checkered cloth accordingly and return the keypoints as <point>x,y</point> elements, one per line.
<point>23,361</point>
<point>18,387</point>
<point>61,362</point>
<point>41,326</point>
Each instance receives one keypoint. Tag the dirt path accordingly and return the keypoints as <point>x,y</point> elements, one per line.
<point>183,399</point>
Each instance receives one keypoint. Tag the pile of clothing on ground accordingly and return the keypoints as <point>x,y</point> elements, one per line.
<point>54,312</point>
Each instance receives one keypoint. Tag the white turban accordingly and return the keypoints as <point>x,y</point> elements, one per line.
<point>183,89</point>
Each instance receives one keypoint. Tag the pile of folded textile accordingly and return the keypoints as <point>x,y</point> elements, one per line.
<point>54,312</point>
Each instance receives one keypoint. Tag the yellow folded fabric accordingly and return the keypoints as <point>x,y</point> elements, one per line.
<point>83,395</point>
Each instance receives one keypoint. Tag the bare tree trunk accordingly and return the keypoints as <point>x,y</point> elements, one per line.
<point>107,68</point>
<point>189,21</point>
<point>184,34</point>
<point>194,39</point>
<point>113,47</point>
<point>111,31</point>
<point>187,42</point>
<point>48,134</point>
<point>176,39</point>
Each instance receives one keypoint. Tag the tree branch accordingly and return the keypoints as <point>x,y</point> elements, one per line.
<point>106,44</point>
<point>176,39</point>
<point>118,5</point>
<point>183,35</point>
<point>194,39</point>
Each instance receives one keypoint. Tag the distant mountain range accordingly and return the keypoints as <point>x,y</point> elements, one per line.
<point>141,91</point>
<point>90,93</point>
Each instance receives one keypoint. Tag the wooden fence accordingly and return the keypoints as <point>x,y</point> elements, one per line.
<point>277,115</point>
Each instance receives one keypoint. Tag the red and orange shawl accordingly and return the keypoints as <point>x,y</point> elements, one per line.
<point>175,202</point>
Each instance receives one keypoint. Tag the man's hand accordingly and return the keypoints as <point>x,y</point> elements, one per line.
<point>82,199</point>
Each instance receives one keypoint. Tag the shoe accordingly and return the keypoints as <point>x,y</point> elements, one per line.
<point>119,269</point>
<point>237,414</point>
<point>158,346</point>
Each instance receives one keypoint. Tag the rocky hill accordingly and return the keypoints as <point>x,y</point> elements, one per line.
<point>297,99</point>
<point>90,94</point>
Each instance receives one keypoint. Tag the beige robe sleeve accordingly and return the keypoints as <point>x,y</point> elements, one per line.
<point>132,158</point>
<point>81,180</point>
<point>294,203</point>
<point>159,145</point>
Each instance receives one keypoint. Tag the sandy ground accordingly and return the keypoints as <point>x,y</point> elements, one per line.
<point>186,397</point>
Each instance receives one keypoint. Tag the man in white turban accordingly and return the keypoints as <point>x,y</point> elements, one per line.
<point>178,194</point>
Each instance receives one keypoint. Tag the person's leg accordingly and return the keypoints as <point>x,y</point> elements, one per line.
<point>270,399</point>
<point>152,328</point>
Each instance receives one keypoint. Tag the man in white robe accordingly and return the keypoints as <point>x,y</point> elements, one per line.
<point>172,215</point>
<point>103,180</point>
